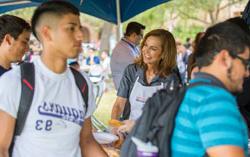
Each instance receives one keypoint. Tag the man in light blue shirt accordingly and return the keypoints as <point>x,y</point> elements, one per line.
<point>208,121</point>
<point>126,51</point>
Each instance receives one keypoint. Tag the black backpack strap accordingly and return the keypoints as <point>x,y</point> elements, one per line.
<point>176,71</point>
<point>82,85</point>
<point>27,93</point>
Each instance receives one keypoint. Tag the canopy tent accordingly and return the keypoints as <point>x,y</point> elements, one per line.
<point>114,11</point>
<point>246,13</point>
<point>8,5</point>
<point>108,10</point>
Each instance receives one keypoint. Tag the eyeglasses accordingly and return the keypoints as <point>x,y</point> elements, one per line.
<point>246,62</point>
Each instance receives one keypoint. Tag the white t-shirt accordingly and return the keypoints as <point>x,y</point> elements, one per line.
<point>53,125</point>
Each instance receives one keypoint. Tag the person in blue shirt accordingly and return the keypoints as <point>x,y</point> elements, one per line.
<point>208,121</point>
<point>92,59</point>
<point>14,38</point>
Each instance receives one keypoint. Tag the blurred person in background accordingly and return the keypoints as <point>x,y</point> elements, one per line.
<point>182,59</point>
<point>92,59</point>
<point>105,62</point>
<point>126,51</point>
<point>14,40</point>
<point>191,66</point>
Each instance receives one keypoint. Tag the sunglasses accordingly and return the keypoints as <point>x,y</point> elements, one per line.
<point>245,62</point>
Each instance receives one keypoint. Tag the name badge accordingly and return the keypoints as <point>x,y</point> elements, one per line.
<point>141,99</point>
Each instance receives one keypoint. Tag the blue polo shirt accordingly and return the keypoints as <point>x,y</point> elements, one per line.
<point>207,117</point>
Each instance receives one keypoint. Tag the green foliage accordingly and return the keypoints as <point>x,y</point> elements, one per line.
<point>204,11</point>
<point>152,18</point>
<point>25,13</point>
<point>103,111</point>
<point>182,32</point>
<point>190,16</point>
<point>94,22</point>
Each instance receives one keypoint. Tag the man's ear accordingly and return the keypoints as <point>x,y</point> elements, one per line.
<point>45,33</point>
<point>226,59</point>
<point>8,39</point>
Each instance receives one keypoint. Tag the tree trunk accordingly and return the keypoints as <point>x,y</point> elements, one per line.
<point>106,32</point>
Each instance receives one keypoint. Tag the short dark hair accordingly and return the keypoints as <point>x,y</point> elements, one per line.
<point>56,7</point>
<point>222,36</point>
<point>13,26</point>
<point>134,27</point>
<point>239,21</point>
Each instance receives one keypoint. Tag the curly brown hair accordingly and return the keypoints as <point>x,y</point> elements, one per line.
<point>168,55</point>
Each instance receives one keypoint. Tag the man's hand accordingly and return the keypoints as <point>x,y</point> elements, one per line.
<point>7,125</point>
<point>89,146</point>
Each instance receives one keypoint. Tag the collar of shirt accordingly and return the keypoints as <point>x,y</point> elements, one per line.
<point>205,77</point>
<point>132,46</point>
<point>142,78</point>
<point>3,70</point>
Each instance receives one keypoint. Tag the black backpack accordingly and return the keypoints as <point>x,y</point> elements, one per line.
<point>27,93</point>
<point>157,121</point>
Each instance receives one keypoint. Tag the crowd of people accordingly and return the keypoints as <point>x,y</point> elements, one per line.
<point>57,122</point>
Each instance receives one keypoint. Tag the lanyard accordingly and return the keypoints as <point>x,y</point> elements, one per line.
<point>200,76</point>
<point>135,50</point>
<point>131,45</point>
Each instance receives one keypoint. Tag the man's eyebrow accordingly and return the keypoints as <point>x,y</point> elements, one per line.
<point>72,23</point>
<point>27,39</point>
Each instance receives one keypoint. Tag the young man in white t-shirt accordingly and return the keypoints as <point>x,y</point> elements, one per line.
<point>57,124</point>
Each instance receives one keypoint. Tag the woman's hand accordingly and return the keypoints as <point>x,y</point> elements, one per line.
<point>127,126</point>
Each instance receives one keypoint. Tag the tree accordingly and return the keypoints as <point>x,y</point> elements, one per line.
<point>152,18</point>
<point>106,32</point>
<point>206,12</point>
<point>25,13</point>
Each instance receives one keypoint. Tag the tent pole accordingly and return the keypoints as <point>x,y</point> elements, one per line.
<point>14,2</point>
<point>119,24</point>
